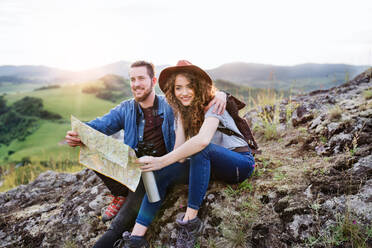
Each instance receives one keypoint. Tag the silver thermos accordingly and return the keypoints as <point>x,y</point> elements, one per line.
<point>149,181</point>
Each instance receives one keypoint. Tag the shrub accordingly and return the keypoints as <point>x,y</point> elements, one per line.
<point>335,113</point>
<point>270,131</point>
<point>16,126</point>
<point>3,107</point>
<point>48,87</point>
<point>29,106</point>
<point>105,95</point>
<point>21,119</point>
<point>32,106</point>
<point>113,96</point>
<point>91,89</point>
<point>114,82</point>
<point>267,97</point>
<point>115,89</point>
<point>49,115</point>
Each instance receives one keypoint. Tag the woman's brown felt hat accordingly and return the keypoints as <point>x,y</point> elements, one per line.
<point>182,66</point>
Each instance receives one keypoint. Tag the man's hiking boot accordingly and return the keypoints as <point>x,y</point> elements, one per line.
<point>129,241</point>
<point>188,232</point>
<point>113,208</point>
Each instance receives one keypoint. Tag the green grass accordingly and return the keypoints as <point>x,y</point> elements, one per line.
<point>43,144</point>
<point>11,88</point>
<point>68,100</point>
<point>367,94</point>
<point>345,231</point>
<point>323,139</point>
<point>27,173</point>
<point>245,186</point>
<point>278,176</point>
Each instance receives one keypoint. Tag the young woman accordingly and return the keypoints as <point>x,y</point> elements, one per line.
<point>188,90</point>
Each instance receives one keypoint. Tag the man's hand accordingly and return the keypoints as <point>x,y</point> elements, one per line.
<point>151,163</point>
<point>72,139</point>
<point>220,103</point>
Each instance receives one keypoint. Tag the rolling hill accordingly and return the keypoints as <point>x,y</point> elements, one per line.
<point>44,143</point>
<point>304,77</point>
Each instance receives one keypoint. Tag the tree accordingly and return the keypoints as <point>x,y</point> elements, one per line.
<point>3,107</point>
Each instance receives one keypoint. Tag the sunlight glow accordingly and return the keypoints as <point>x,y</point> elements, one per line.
<point>83,34</point>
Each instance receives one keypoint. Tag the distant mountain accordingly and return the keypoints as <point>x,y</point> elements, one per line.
<point>29,71</point>
<point>304,77</point>
<point>48,75</point>
<point>30,74</point>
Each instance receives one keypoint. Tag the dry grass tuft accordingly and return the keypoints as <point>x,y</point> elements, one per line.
<point>335,113</point>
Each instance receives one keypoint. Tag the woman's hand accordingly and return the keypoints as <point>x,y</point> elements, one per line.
<point>219,101</point>
<point>151,163</point>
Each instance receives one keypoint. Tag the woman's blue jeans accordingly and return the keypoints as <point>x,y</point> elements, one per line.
<point>213,161</point>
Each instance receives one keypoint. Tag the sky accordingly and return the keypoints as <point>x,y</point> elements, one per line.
<point>83,34</point>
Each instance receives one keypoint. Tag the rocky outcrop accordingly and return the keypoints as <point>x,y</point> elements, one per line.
<point>337,125</point>
<point>55,210</point>
<point>311,187</point>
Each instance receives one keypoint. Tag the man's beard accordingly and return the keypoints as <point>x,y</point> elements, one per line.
<point>145,95</point>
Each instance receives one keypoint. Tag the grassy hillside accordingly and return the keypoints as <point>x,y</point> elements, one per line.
<point>43,144</point>
<point>11,88</point>
<point>68,100</point>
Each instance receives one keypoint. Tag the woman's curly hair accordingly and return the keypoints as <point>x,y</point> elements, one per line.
<point>193,115</point>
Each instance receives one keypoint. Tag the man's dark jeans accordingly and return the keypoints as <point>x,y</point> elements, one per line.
<point>124,220</point>
<point>116,188</point>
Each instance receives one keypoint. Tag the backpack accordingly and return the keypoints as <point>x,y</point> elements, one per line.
<point>233,105</point>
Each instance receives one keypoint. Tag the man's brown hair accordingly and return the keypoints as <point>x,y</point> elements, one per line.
<point>149,66</point>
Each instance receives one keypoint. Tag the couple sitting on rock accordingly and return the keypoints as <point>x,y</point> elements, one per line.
<point>191,147</point>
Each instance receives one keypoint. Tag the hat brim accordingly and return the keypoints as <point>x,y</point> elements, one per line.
<point>169,71</point>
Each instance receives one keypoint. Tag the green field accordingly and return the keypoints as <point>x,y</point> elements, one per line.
<point>68,100</point>
<point>45,143</point>
<point>10,88</point>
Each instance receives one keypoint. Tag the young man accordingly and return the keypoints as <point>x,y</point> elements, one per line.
<point>146,119</point>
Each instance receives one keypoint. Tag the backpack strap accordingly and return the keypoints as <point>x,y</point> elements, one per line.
<point>229,132</point>
<point>233,105</point>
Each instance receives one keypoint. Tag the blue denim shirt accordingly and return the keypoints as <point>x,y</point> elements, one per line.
<point>124,116</point>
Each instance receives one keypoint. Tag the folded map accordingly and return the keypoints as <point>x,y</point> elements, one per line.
<point>107,155</point>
